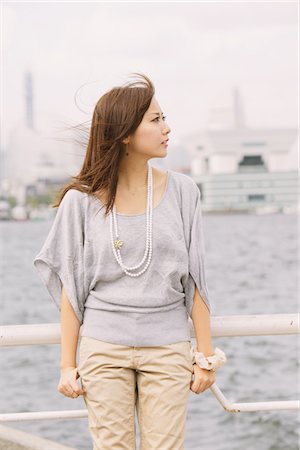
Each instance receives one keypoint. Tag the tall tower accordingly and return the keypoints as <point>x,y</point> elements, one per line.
<point>29,121</point>
<point>229,111</point>
<point>238,108</point>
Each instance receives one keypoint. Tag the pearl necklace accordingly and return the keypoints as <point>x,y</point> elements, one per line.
<point>117,243</point>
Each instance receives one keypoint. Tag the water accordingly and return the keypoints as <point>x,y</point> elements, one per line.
<point>251,265</point>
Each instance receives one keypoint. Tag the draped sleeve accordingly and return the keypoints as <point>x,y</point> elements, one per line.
<point>60,262</point>
<point>196,249</point>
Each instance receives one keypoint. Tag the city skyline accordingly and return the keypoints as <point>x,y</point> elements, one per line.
<point>196,54</point>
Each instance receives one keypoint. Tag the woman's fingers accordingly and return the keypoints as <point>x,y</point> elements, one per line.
<point>203,379</point>
<point>67,383</point>
<point>70,390</point>
<point>76,388</point>
<point>65,389</point>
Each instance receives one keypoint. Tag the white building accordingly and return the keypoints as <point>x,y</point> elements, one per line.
<point>244,169</point>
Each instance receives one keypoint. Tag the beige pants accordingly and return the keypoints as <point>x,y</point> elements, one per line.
<point>117,378</point>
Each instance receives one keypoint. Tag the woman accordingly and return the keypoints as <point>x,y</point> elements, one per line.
<point>131,276</point>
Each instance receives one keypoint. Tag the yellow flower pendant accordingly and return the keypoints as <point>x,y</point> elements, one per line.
<point>118,243</point>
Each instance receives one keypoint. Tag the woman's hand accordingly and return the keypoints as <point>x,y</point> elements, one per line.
<point>67,384</point>
<point>203,379</point>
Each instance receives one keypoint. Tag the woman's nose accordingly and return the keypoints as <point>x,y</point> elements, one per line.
<point>167,128</point>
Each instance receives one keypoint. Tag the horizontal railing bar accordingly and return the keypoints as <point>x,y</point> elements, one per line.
<point>80,414</point>
<point>231,406</point>
<point>44,415</point>
<point>264,406</point>
<point>221,326</point>
<point>255,325</point>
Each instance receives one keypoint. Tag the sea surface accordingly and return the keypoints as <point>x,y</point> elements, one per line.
<point>251,268</point>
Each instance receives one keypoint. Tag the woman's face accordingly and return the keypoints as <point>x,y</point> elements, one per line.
<point>152,131</point>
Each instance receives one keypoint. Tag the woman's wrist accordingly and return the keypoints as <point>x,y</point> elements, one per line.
<point>211,362</point>
<point>206,352</point>
<point>67,366</point>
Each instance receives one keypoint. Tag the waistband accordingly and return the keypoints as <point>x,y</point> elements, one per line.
<point>137,329</point>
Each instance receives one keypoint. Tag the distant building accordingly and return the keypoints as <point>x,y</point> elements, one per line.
<point>34,156</point>
<point>243,169</point>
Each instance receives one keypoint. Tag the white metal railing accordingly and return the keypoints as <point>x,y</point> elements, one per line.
<point>234,325</point>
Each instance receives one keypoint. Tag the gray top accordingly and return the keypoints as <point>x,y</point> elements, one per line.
<point>151,309</point>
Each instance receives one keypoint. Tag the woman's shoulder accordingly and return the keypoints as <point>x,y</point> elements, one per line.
<point>74,194</point>
<point>185,182</point>
<point>182,176</point>
<point>72,198</point>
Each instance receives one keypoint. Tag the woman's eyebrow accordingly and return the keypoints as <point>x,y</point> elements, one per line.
<point>157,113</point>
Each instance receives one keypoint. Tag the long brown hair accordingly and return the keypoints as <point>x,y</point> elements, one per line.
<point>117,114</point>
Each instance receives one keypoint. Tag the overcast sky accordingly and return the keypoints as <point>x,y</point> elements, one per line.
<point>194,52</point>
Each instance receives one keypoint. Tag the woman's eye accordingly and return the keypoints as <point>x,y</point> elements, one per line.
<point>157,118</point>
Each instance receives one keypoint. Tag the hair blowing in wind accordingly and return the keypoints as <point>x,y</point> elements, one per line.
<point>117,114</point>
